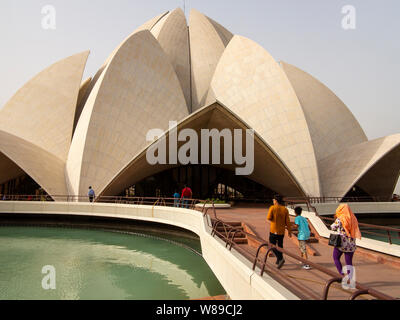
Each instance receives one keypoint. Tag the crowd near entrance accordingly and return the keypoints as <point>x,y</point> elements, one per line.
<point>207,182</point>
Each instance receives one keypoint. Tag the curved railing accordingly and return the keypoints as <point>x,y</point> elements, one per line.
<point>228,235</point>
<point>317,200</point>
<point>364,227</point>
<point>229,238</point>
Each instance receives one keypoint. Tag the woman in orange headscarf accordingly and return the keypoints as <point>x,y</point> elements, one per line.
<point>347,225</point>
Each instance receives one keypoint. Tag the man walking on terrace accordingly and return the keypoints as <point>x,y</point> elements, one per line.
<point>91,195</point>
<point>186,195</point>
<point>278,215</point>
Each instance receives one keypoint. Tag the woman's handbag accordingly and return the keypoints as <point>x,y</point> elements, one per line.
<point>335,240</point>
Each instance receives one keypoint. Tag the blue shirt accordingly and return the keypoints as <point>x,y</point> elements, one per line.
<point>304,231</point>
<point>177,195</point>
<point>91,193</point>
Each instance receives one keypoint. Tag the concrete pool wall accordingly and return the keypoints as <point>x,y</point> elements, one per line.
<point>232,270</point>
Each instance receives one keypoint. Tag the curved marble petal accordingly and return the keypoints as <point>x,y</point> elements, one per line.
<point>375,165</point>
<point>83,92</point>
<point>173,35</point>
<point>206,48</point>
<point>47,106</point>
<point>223,33</point>
<point>251,83</point>
<point>146,26</point>
<point>42,166</point>
<point>332,125</point>
<point>137,91</point>
<point>8,169</point>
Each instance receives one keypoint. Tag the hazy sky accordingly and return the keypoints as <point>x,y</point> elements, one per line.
<point>360,66</point>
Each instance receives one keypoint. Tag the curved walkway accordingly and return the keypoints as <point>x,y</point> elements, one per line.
<point>309,284</point>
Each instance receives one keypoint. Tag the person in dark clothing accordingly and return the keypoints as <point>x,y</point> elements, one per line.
<point>278,215</point>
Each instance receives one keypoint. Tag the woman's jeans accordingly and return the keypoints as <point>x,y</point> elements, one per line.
<point>337,254</point>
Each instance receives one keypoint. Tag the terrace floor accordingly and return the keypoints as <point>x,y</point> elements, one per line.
<point>372,269</point>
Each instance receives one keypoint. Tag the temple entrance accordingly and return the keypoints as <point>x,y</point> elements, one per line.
<point>357,194</point>
<point>22,185</point>
<point>207,182</point>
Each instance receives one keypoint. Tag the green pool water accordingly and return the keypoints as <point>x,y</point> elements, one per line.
<point>100,265</point>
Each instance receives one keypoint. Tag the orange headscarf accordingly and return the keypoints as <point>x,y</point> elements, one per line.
<point>349,221</point>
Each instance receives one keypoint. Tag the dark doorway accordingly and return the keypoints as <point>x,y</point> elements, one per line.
<point>357,194</point>
<point>23,185</point>
<point>206,182</point>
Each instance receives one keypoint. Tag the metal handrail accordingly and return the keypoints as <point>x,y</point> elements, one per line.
<point>227,236</point>
<point>342,199</point>
<point>367,225</point>
<point>306,201</point>
<point>372,292</point>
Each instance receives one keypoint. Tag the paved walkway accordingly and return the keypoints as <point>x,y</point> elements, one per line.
<point>309,284</point>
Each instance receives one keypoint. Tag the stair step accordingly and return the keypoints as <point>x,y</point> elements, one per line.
<point>241,241</point>
<point>238,240</point>
<point>238,236</point>
<point>227,228</point>
<point>233,224</point>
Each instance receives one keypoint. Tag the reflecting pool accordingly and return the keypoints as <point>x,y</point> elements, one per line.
<point>101,265</point>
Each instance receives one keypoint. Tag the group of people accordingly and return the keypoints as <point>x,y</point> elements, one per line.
<point>345,224</point>
<point>182,199</point>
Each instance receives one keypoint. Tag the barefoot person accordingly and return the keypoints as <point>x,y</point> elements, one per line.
<point>278,215</point>
<point>347,225</point>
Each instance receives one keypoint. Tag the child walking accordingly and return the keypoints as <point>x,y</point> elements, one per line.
<point>304,234</point>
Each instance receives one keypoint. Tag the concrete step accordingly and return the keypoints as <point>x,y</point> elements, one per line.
<point>239,239</point>
<point>233,224</point>
<point>222,229</point>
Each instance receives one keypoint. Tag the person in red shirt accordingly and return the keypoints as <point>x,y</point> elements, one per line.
<point>186,194</point>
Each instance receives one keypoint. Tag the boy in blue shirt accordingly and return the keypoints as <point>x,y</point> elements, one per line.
<point>177,197</point>
<point>304,234</point>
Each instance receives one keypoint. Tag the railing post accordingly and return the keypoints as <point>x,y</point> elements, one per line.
<point>328,286</point>
<point>258,252</point>
<point>390,237</point>
<point>358,293</point>
<point>265,261</point>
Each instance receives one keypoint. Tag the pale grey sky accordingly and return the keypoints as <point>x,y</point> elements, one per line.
<point>360,66</point>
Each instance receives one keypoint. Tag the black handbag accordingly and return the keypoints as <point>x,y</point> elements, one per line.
<point>335,240</point>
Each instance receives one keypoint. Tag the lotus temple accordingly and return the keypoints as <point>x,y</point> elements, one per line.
<point>61,133</point>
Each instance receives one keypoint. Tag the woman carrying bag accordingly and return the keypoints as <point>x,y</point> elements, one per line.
<point>347,226</point>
